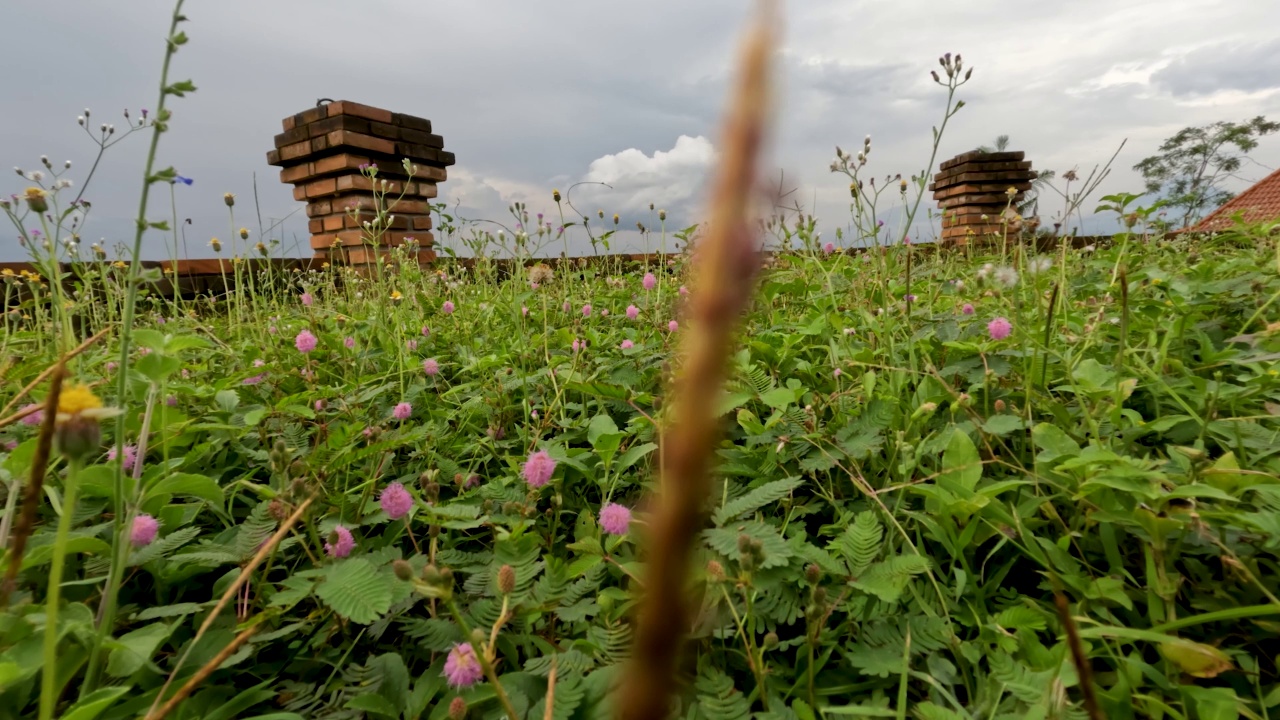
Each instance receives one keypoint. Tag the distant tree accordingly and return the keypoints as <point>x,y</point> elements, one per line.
<point>1193,163</point>
<point>1030,204</point>
<point>1001,144</point>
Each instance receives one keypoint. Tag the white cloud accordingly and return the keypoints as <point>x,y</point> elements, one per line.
<point>668,179</point>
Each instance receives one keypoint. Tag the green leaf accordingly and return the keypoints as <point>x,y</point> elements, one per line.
<point>228,400</point>
<point>960,462</point>
<point>356,590</point>
<point>373,703</point>
<point>754,500</point>
<point>1053,442</point>
<point>93,704</point>
<point>135,648</point>
<point>150,339</point>
<point>188,484</point>
<point>725,541</point>
<point>41,554</point>
<point>1002,424</point>
<point>179,343</point>
<point>778,398</point>
<point>633,455</point>
<point>860,543</point>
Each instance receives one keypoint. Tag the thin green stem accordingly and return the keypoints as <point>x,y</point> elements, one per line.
<point>49,688</point>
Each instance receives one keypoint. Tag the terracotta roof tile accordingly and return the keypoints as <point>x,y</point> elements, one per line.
<point>1260,203</point>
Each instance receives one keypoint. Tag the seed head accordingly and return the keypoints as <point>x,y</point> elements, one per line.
<point>229,199</point>
<point>506,579</point>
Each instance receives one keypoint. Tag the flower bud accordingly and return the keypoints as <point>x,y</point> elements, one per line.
<point>715,571</point>
<point>813,573</point>
<point>244,233</point>
<point>555,195</point>
<point>457,708</point>
<point>403,570</point>
<point>506,579</point>
<point>771,641</point>
<point>37,199</point>
<point>229,199</point>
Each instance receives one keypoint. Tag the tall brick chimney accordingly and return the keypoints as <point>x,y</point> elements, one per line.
<point>322,152</point>
<point>972,191</point>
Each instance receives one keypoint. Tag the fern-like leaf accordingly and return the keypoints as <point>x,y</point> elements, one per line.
<point>356,590</point>
<point>860,543</point>
<point>757,498</point>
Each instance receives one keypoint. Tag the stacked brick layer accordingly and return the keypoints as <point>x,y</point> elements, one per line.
<point>322,153</point>
<point>972,190</point>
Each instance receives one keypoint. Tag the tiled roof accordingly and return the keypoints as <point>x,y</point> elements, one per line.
<point>1260,203</point>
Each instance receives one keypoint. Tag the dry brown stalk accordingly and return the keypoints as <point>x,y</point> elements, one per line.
<point>47,372</point>
<point>1083,669</point>
<point>35,486</point>
<point>725,273</point>
<point>245,574</point>
<point>205,671</point>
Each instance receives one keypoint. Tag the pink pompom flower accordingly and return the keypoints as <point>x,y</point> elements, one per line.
<point>431,367</point>
<point>461,667</point>
<point>447,308</point>
<point>615,519</point>
<point>143,531</point>
<point>307,299</point>
<point>649,282</point>
<point>673,326</point>
<point>130,456</point>
<point>34,418</point>
<point>349,342</point>
<point>627,345</point>
<point>539,468</point>
<point>632,312</point>
<point>340,543</point>
<point>967,309</point>
<point>402,411</point>
<point>999,329</point>
<point>586,310</point>
<point>396,501</point>
<point>305,342</point>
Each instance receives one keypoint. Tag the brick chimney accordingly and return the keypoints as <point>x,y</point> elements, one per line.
<point>972,191</point>
<point>322,153</point>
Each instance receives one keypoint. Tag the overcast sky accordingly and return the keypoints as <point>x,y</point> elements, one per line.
<point>532,96</point>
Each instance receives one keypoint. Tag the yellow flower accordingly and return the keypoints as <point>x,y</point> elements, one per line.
<point>7,272</point>
<point>244,233</point>
<point>395,295</point>
<point>37,199</point>
<point>76,400</point>
<point>216,244</point>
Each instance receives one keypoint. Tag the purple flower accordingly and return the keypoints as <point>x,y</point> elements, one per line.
<point>255,379</point>
<point>143,531</point>
<point>183,180</point>
<point>319,406</point>
<point>259,362</point>
<point>305,342</point>
<point>649,281</point>
<point>411,345</point>
<point>130,455</point>
<point>538,469</point>
<point>684,290</point>
<point>349,342</point>
<point>431,367</point>
<point>340,542</point>
<point>171,401</point>
<point>632,312</point>
<point>673,326</point>
<point>307,299</point>
<point>586,310</point>
<point>395,501</point>
<point>447,308</point>
<point>578,345</point>
<point>837,372</point>
<point>627,345</point>
<point>34,418</point>
<point>967,309</point>
<point>615,519</point>
<point>461,667</point>
<point>111,366</point>
<point>999,328</point>
<point>829,248</point>
<point>403,411</point>
<point>567,306</point>
<point>426,331</point>
<point>524,311</point>
<point>911,298</point>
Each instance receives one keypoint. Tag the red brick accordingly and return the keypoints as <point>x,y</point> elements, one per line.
<point>294,153</point>
<point>317,188</point>
<point>289,123</point>
<point>273,157</point>
<point>345,138</point>
<point>357,238</point>
<point>975,155</point>
<point>994,178</point>
<point>364,256</point>
<point>421,138</point>
<point>368,112</point>
<point>979,189</point>
<point>995,201</point>
<point>411,122</point>
<point>349,221</point>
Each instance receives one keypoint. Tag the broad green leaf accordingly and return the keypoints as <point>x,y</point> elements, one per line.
<point>42,554</point>
<point>960,461</point>
<point>228,400</point>
<point>1196,659</point>
<point>633,455</point>
<point>135,648</point>
<point>93,704</point>
<point>189,484</point>
<point>778,398</point>
<point>356,590</point>
<point>373,703</point>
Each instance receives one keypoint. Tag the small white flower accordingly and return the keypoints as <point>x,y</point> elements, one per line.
<point>1006,276</point>
<point>35,176</point>
<point>1040,265</point>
